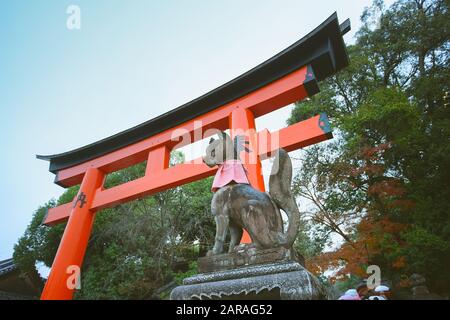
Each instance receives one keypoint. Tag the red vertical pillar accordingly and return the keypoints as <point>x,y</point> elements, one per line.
<point>242,122</point>
<point>158,160</point>
<point>74,242</point>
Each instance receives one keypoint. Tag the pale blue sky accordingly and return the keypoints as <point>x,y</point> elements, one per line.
<point>131,61</point>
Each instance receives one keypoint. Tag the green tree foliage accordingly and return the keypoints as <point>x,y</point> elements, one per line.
<point>135,248</point>
<point>382,184</point>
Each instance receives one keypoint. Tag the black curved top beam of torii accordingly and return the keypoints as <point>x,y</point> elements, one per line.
<point>323,49</point>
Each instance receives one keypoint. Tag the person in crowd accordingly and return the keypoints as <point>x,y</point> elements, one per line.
<point>350,294</point>
<point>363,291</point>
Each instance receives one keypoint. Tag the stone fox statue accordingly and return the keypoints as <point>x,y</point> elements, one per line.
<point>236,205</point>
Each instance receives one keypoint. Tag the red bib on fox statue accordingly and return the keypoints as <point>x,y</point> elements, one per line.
<point>229,171</point>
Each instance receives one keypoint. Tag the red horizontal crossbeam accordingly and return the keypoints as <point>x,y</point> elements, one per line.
<point>286,90</point>
<point>296,136</point>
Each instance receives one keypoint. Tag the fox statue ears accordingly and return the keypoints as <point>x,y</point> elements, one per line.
<point>222,136</point>
<point>236,146</point>
<point>239,142</point>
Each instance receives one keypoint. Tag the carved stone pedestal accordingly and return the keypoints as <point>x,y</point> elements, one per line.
<point>246,255</point>
<point>285,280</point>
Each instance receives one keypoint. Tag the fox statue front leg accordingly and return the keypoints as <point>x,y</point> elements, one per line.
<point>222,219</point>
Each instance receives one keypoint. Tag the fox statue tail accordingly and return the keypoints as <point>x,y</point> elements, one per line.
<point>280,192</point>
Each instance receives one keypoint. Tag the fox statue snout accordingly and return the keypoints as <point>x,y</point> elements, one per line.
<point>237,205</point>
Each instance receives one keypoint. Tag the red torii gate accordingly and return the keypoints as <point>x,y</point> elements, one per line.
<point>290,76</point>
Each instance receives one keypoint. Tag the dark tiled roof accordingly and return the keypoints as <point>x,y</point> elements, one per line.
<point>6,266</point>
<point>14,296</point>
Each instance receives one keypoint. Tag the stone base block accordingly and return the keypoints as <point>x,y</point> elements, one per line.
<point>246,255</point>
<point>282,280</point>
